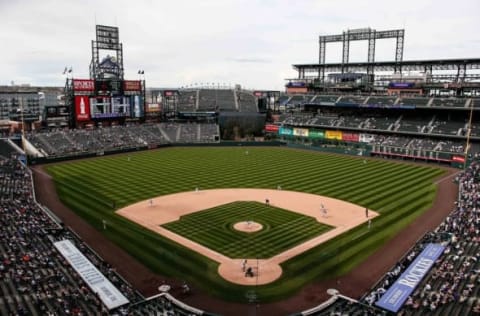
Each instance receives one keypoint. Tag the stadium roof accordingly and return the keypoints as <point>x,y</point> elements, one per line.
<point>408,65</point>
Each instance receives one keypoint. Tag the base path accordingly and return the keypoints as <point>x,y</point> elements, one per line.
<point>164,209</point>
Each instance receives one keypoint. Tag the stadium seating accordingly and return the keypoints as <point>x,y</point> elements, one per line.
<point>451,286</point>
<point>422,102</point>
<point>324,99</point>
<point>449,102</point>
<point>246,102</point>
<point>187,101</point>
<point>216,100</point>
<point>352,99</point>
<point>78,141</point>
<point>381,101</point>
<point>35,279</point>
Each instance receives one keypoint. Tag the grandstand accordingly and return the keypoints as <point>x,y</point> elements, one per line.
<point>387,122</point>
<point>118,138</point>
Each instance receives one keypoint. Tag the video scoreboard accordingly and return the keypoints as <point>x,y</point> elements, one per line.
<point>107,99</point>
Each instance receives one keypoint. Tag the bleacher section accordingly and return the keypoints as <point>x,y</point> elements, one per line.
<point>412,124</point>
<point>352,99</point>
<point>414,101</point>
<point>451,286</point>
<point>187,101</point>
<point>324,99</point>
<point>449,102</point>
<point>78,141</point>
<point>381,101</point>
<point>35,279</point>
<point>246,102</point>
<point>216,100</point>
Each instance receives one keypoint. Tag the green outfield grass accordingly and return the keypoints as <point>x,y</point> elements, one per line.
<point>281,230</point>
<point>399,192</point>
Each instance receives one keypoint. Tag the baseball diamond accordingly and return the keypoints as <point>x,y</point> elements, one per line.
<point>398,192</point>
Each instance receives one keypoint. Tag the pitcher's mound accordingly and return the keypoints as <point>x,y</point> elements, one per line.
<point>248,226</point>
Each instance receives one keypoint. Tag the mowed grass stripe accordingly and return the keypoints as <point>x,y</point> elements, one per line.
<point>286,229</point>
<point>405,191</point>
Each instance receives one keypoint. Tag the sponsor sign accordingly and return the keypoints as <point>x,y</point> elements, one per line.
<point>82,108</point>
<point>398,293</point>
<point>296,84</point>
<point>83,85</point>
<point>153,107</point>
<point>272,128</point>
<point>132,85</point>
<point>333,135</point>
<point>401,85</point>
<point>366,138</point>
<point>458,159</point>
<point>96,281</point>
<point>136,104</point>
<point>350,137</point>
<point>316,134</point>
<point>303,132</point>
<point>170,93</point>
<point>285,131</point>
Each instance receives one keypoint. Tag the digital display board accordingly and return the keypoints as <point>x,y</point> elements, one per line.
<point>107,37</point>
<point>109,87</point>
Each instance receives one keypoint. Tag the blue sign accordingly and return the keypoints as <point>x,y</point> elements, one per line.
<point>398,293</point>
<point>401,85</point>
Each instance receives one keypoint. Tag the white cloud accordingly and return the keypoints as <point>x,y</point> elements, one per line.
<point>253,43</point>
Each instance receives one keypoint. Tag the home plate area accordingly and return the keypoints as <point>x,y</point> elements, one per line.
<point>339,215</point>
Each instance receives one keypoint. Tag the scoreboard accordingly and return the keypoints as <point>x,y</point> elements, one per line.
<point>103,99</point>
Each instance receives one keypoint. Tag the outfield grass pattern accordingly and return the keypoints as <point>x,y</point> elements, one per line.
<point>399,192</point>
<point>213,228</point>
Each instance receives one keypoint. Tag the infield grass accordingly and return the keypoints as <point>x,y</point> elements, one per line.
<point>399,192</point>
<point>281,230</point>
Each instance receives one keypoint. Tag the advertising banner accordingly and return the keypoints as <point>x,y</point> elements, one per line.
<point>153,107</point>
<point>350,137</point>
<point>458,159</point>
<point>132,85</point>
<point>83,85</point>
<point>366,138</point>
<point>333,135</point>
<point>136,105</point>
<point>82,108</point>
<point>303,132</point>
<point>96,281</point>
<point>398,293</point>
<point>271,128</point>
<point>316,134</point>
<point>285,131</point>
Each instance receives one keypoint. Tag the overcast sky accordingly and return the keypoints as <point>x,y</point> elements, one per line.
<point>253,43</point>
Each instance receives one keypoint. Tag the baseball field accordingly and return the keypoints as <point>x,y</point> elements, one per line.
<point>96,188</point>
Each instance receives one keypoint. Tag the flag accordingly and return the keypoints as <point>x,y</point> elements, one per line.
<point>70,70</point>
<point>65,70</point>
